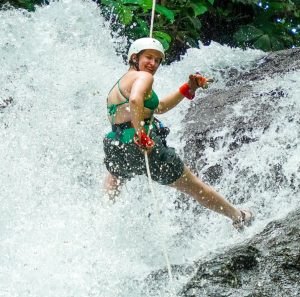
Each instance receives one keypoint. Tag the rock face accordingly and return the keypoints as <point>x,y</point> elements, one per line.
<point>267,265</point>
<point>5,102</point>
<point>214,112</point>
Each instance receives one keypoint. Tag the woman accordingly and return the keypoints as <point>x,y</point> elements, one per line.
<point>131,104</point>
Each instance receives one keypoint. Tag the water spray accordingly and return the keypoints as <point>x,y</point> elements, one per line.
<point>164,247</point>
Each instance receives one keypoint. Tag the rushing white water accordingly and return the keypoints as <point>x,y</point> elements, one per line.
<point>59,234</point>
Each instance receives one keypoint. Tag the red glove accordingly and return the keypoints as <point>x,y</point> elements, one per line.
<point>185,90</point>
<point>195,80</point>
<point>143,140</point>
<point>202,82</point>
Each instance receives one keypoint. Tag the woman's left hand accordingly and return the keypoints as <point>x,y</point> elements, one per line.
<point>198,81</point>
<point>195,81</point>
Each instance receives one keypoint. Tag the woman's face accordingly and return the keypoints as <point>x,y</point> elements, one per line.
<point>149,60</point>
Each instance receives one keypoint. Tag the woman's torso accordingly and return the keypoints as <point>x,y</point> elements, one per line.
<point>120,94</point>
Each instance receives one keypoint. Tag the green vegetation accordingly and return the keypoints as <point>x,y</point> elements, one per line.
<point>265,25</point>
<point>274,26</point>
<point>26,4</point>
<point>179,24</point>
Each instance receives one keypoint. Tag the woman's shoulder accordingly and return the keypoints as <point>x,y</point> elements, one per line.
<point>132,76</point>
<point>144,76</point>
<point>138,74</point>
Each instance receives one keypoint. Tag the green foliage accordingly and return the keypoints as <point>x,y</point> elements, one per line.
<point>266,25</point>
<point>176,22</point>
<point>26,4</point>
<point>169,14</point>
<point>263,24</point>
<point>274,26</point>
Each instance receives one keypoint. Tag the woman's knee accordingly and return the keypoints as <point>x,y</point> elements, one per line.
<point>184,182</point>
<point>111,181</point>
<point>190,183</point>
<point>188,177</point>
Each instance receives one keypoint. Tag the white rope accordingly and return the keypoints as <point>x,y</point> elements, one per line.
<point>152,17</point>
<point>164,246</point>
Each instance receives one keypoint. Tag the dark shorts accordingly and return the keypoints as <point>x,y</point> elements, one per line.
<point>126,160</point>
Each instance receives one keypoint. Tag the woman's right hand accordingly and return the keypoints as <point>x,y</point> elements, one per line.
<point>143,141</point>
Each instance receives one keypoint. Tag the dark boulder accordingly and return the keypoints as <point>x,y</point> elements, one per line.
<point>5,102</point>
<point>216,111</point>
<point>267,265</point>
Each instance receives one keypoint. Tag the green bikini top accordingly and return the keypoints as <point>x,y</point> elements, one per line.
<point>151,102</point>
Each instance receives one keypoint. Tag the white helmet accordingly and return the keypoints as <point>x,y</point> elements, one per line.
<point>143,44</point>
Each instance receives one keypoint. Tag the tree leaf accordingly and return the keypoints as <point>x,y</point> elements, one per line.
<point>288,40</point>
<point>276,44</point>
<point>137,2</point>
<point>144,27</point>
<point>247,33</point>
<point>281,6</point>
<point>263,43</point>
<point>198,8</point>
<point>169,14</point>
<point>196,23</point>
<point>163,35</point>
<point>145,4</point>
<point>164,38</point>
<point>125,14</point>
<point>246,1</point>
<point>165,42</point>
<point>105,2</point>
<point>211,2</point>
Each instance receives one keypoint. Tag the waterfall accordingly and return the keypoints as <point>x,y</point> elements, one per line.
<point>59,235</point>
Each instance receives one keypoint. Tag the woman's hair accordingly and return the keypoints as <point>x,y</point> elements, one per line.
<point>135,64</point>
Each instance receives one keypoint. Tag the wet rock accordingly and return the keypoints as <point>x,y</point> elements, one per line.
<point>216,111</point>
<point>6,102</point>
<point>267,265</point>
<point>273,64</point>
<point>213,173</point>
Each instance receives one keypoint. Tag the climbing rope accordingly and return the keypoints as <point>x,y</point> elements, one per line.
<point>164,246</point>
<point>165,252</point>
<point>152,17</point>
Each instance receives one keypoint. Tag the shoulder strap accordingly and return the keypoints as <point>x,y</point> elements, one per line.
<point>120,91</point>
<point>112,109</point>
<point>118,82</point>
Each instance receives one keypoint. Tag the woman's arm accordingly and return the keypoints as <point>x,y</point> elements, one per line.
<point>141,86</point>
<point>195,81</point>
<point>168,102</point>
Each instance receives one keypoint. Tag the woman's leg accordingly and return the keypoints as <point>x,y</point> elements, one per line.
<point>207,196</point>
<point>112,186</point>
